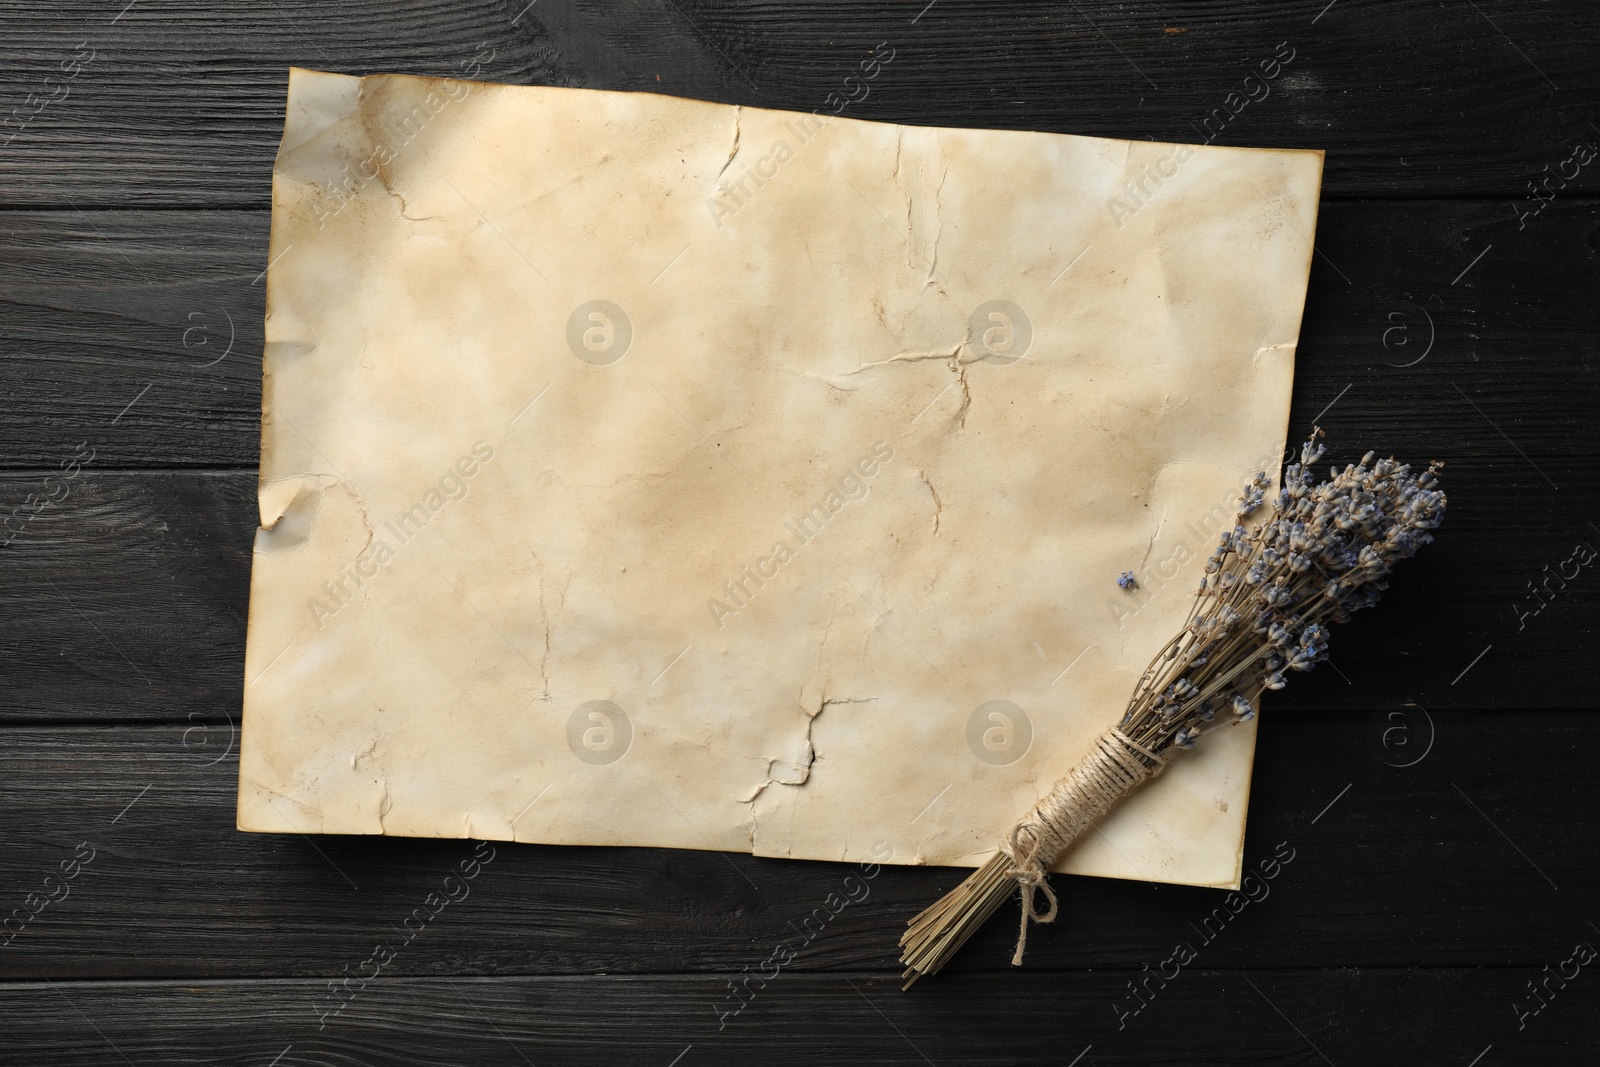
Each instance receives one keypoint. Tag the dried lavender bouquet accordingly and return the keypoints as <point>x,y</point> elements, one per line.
<point>1269,592</point>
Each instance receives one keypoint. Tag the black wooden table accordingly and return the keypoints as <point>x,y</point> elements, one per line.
<point>1435,788</point>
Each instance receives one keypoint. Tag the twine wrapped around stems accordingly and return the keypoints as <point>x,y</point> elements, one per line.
<point>1113,768</point>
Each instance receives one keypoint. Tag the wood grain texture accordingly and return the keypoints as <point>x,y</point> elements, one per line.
<point>1386,866</point>
<point>126,598</point>
<point>138,333</point>
<point>1274,1018</point>
<point>184,105</point>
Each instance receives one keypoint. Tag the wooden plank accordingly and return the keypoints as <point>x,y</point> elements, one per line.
<point>137,334</point>
<point>185,107</point>
<point>126,597</point>
<point>117,329</point>
<point>1454,860</point>
<point>1271,1017</point>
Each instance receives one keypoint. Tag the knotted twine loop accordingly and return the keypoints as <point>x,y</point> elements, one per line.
<point>1114,767</point>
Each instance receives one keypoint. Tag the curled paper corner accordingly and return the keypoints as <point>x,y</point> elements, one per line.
<point>359,143</point>
<point>290,507</point>
<point>288,510</point>
<point>317,100</point>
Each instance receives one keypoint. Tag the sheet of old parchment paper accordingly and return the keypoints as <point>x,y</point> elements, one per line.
<point>644,471</point>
